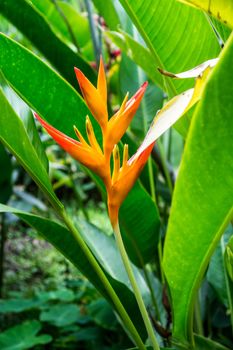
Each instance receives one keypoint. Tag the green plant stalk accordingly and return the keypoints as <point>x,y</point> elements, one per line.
<point>197,313</point>
<point>63,16</point>
<point>96,44</point>
<point>163,159</point>
<point>160,256</point>
<point>115,299</point>
<point>229,296</point>
<point>136,290</point>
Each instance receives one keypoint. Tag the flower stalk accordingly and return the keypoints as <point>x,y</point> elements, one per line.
<point>136,290</point>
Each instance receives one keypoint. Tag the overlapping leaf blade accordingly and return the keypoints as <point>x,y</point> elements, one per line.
<point>35,27</point>
<point>167,28</point>
<point>202,204</point>
<point>221,9</point>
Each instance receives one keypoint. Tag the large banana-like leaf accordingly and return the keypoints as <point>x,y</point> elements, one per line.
<point>57,102</point>
<point>37,29</point>
<point>203,199</point>
<point>221,9</point>
<point>179,37</point>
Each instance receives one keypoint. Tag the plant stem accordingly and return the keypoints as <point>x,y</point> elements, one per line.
<point>151,179</point>
<point>160,256</point>
<point>228,282</point>
<point>111,292</point>
<point>137,292</point>
<point>198,317</point>
<point>166,171</point>
<point>62,14</point>
<point>96,44</point>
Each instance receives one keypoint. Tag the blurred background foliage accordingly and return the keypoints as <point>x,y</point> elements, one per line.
<point>44,299</point>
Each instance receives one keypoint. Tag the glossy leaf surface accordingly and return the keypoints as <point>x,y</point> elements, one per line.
<point>221,9</point>
<point>35,27</point>
<point>205,177</point>
<point>162,25</point>
<point>77,22</point>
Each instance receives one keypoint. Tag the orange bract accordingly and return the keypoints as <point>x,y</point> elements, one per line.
<point>90,154</point>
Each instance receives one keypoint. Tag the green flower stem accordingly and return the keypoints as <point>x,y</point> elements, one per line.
<point>151,179</point>
<point>165,168</point>
<point>197,313</point>
<point>111,292</point>
<point>227,279</point>
<point>137,292</point>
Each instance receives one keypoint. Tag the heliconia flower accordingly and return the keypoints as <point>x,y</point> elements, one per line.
<point>90,154</point>
<point>96,98</point>
<point>120,121</point>
<point>124,177</point>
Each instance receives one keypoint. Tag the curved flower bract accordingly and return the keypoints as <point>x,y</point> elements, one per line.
<point>97,158</point>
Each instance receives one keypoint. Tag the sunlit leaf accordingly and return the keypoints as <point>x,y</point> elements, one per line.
<point>202,202</point>
<point>221,9</point>
<point>162,25</point>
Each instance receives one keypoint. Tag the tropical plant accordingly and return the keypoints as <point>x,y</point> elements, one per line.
<point>166,227</point>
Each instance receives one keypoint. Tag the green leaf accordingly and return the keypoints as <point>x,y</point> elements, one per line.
<point>60,315</point>
<point>24,112</point>
<point>14,136</point>
<point>216,271</point>
<point>77,22</point>
<point>19,305</point>
<point>43,90</point>
<point>222,29</point>
<point>220,9</point>
<point>23,336</point>
<point>105,251</point>
<point>5,176</point>
<point>61,294</point>
<point>102,314</point>
<point>37,29</point>
<point>167,29</point>
<point>138,53</point>
<point>202,202</point>
<point>229,258</point>
<point>203,343</point>
<point>108,12</point>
